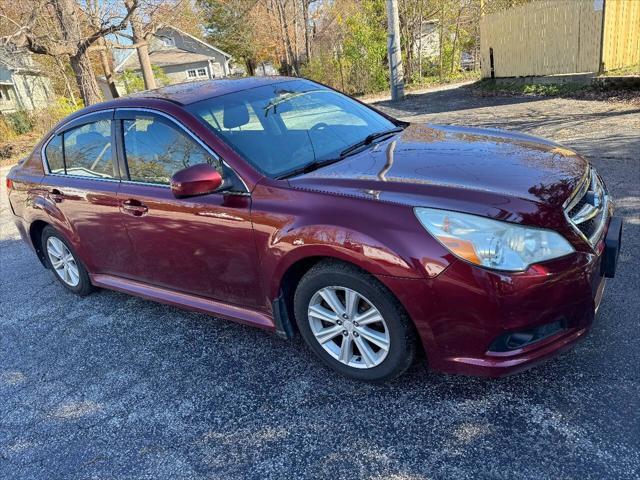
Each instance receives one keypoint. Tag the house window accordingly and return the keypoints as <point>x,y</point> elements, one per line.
<point>197,73</point>
<point>168,41</point>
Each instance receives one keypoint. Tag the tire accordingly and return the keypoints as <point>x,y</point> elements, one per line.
<point>53,245</point>
<point>342,279</point>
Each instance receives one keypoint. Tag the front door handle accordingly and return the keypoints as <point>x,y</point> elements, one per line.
<point>134,207</point>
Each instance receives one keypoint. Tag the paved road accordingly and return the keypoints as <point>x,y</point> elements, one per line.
<point>112,386</point>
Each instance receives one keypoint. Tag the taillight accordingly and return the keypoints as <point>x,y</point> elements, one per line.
<point>9,184</point>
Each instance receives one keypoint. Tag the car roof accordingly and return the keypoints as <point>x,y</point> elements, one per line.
<point>190,92</point>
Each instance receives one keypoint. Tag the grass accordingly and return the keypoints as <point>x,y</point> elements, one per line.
<point>623,72</point>
<point>534,89</point>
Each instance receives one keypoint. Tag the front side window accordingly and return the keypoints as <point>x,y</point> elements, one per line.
<point>87,150</point>
<point>155,150</point>
<point>301,123</point>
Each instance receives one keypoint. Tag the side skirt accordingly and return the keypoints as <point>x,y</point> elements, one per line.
<point>184,300</point>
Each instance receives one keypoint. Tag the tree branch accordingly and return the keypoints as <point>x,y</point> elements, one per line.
<point>88,41</point>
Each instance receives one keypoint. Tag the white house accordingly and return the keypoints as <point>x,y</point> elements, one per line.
<point>23,85</point>
<point>181,56</point>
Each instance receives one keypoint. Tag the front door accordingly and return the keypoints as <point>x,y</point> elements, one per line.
<point>203,245</point>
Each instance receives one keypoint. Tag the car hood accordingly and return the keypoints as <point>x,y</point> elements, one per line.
<point>432,165</point>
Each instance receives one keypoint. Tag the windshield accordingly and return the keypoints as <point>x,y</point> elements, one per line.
<point>286,126</point>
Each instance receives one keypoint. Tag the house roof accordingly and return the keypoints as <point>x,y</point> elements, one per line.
<point>200,41</point>
<point>18,60</point>
<point>174,56</point>
<point>162,58</point>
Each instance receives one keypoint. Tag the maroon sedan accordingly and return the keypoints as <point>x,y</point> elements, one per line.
<point>286,205</point>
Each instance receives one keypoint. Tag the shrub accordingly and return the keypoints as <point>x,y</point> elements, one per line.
<point>20,122</point>
<point>6,130</point>
<point>46,118</point>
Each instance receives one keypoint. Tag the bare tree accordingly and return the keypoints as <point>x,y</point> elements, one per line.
<point>63,28</point>
<point>140,37</point>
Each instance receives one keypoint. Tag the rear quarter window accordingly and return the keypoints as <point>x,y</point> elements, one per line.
<point>53,154</point>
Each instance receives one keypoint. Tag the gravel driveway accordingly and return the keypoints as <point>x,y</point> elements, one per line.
<point>111,386</point>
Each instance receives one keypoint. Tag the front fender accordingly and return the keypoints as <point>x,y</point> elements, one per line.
<point>340,243</point>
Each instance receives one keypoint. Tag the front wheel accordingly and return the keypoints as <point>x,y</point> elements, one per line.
<point>353,323</point>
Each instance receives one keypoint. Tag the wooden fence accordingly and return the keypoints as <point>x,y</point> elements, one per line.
<point>621,47</point>
<point>548,37</point>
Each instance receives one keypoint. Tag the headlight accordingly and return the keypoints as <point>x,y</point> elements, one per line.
<point>492,243</point>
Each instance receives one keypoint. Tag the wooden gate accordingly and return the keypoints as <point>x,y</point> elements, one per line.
<point>542,38</point>
<point>622,34</point>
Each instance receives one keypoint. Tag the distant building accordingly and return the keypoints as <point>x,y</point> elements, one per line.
<point>428,41</point>
<point>23,85</point>
<point>181,56</point>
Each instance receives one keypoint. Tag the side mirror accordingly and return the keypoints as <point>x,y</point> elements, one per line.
<point>195,180</point>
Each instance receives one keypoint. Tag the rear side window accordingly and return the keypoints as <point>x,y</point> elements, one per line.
<point>155,151</point>
<point>88,151</point>
<point>53,154</point>
<point>84,151</point>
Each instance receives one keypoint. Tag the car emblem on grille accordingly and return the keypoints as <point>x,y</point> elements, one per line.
<point>594,197</point>
<point>588,214</point>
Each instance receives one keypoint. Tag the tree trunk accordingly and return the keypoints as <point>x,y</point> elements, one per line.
<point>80,63</point>
<point>307,40</point>
<point>143,47</point>
<point>285,37</point>
<point>455,41</point>
<point>250,63</point>
<point>420,42</point>
<point>108,73</point>
<point>440,42</point>
<point>67,84</point>
<point>296,49</point>
<point>86,80</point>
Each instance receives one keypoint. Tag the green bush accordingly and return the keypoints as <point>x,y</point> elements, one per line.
<point>20,122</point>
<point>359,66</point>
<point>133,81</point>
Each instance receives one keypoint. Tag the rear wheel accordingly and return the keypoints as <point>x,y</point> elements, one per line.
<point>353,323</point>
<point>65,265</point>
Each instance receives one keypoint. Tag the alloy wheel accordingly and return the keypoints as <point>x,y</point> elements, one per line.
<point>349,327</point>
<point>63,262</point>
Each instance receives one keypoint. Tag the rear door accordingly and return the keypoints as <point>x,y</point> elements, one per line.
<point>81,182</point>
<point>202,245</point>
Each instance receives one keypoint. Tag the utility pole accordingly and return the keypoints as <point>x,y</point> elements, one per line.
<point>394,52</point>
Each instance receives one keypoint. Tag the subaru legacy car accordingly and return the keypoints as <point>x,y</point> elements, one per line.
<point>286,205</point>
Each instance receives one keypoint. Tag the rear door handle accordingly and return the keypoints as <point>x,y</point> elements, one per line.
<point>134,207</point>
<point>56,195</point>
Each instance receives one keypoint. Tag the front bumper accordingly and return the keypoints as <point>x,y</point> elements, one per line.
<point>460,314</point>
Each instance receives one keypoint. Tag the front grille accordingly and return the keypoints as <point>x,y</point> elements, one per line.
<point>587,210</point>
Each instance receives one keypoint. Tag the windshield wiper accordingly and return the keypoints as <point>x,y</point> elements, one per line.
<point>309,167</point>
<point>368,140</point>
<point>316,164</point>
